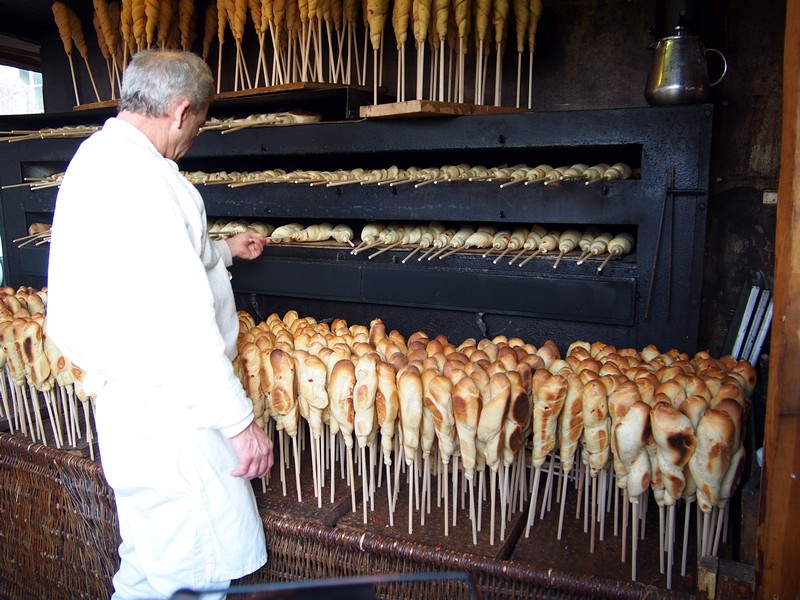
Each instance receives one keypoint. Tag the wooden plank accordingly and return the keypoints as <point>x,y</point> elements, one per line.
<point>297,86</point>
<point>736,581</point>
<point>432,108</point>
<point>778,543</point>
<point>96,105</point>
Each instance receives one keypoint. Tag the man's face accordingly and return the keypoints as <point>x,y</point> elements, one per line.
<point>188,131</point>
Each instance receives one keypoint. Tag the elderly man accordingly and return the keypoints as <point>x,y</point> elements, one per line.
<point>140,298</point>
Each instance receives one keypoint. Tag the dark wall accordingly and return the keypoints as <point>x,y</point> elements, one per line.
<point>592,55</point>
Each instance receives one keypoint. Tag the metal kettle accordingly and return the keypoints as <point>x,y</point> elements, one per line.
<point>678,73</point>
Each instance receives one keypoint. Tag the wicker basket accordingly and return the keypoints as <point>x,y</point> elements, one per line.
<point>59,539</point>
<point>58,530</point>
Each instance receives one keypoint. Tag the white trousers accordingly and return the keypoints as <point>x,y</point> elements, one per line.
<point>131,584</point>
<point>185,522</point>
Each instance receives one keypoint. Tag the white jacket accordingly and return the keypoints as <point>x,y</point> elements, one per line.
<point>140,298</point>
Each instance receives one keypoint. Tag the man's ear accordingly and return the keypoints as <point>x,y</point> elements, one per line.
<point>181,111</point>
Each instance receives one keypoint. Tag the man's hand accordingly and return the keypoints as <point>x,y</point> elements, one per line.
<point>254,450</point>
<point>247,245</point>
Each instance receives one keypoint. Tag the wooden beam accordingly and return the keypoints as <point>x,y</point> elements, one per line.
<point>778,556</point>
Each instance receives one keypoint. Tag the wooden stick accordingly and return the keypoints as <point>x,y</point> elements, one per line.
<point>564,482</point>
<point>661,539</point>
<point>498,74</point>
<point>411,478</point>
<point>375,76</point>
<point>389,494</point>
<point>718,534</point>
<point>446,501</point>
<point>605,262</point>
<point>530,78</point>
<point>670,537</point>
<point>481,485</point>
<point>472,511</point>
<point>594,513</point>
<point>524,262</point>
<point>449,252</point>
<point>687,516</point>
<point>74,81</point>
<point>364,483</point>
<point>534,497</point>
<point>332,444</point>
<point>492,494</point>
<point>351,477</point>
<point>219,68</point>
<point>455,488</point>
<point>410,254</point>
<point>91,78</point>
<point>634,538</point>
<point>602,505</point>
<point>625,503</point>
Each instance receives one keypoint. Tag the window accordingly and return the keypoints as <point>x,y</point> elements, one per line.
<point>20,91</point>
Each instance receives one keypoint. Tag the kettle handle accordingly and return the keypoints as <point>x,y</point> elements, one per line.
<point>724,65</point>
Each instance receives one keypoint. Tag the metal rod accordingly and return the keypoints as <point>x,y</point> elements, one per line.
<point>670,179</point>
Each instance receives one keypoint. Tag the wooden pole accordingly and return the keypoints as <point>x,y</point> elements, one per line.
<point>778,552</point>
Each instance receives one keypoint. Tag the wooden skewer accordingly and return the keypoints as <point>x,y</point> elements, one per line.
<point>426,253</point>
<point>517,255</point>
<point>31,236</point>
<point>594,514</point>
<point>524,262</point>
<point>343,182</point>
<point>502,254</point>
<point>367,246</point>
<point>534,497</point>
<point>624,538</point>
<point>512,182</point>
<point>410,254</point>
<point>565,480</point>
<point>449,252</point>
<point>661,529</point>
<point>536,180</point>
<point>686,519</point>
<point>385,249</point>
<point>558,260</point>
<point>605,262</point>
<point>669,541</point>
<point>634,538</point>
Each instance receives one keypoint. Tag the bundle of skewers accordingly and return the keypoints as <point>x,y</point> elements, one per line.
<point>331,41</point>
<point>507,416</point>
<point>38,234</point>
<point>48,133</point>
<point>393,176</point>
<point>39,384</point>
<point>232,124</point>
<point>37,183</point>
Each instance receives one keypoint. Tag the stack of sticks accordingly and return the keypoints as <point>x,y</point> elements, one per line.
<point>47,133</point>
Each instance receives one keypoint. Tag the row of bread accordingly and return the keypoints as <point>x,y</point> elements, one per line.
<point>434,239</point>
<point>394,176</point>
